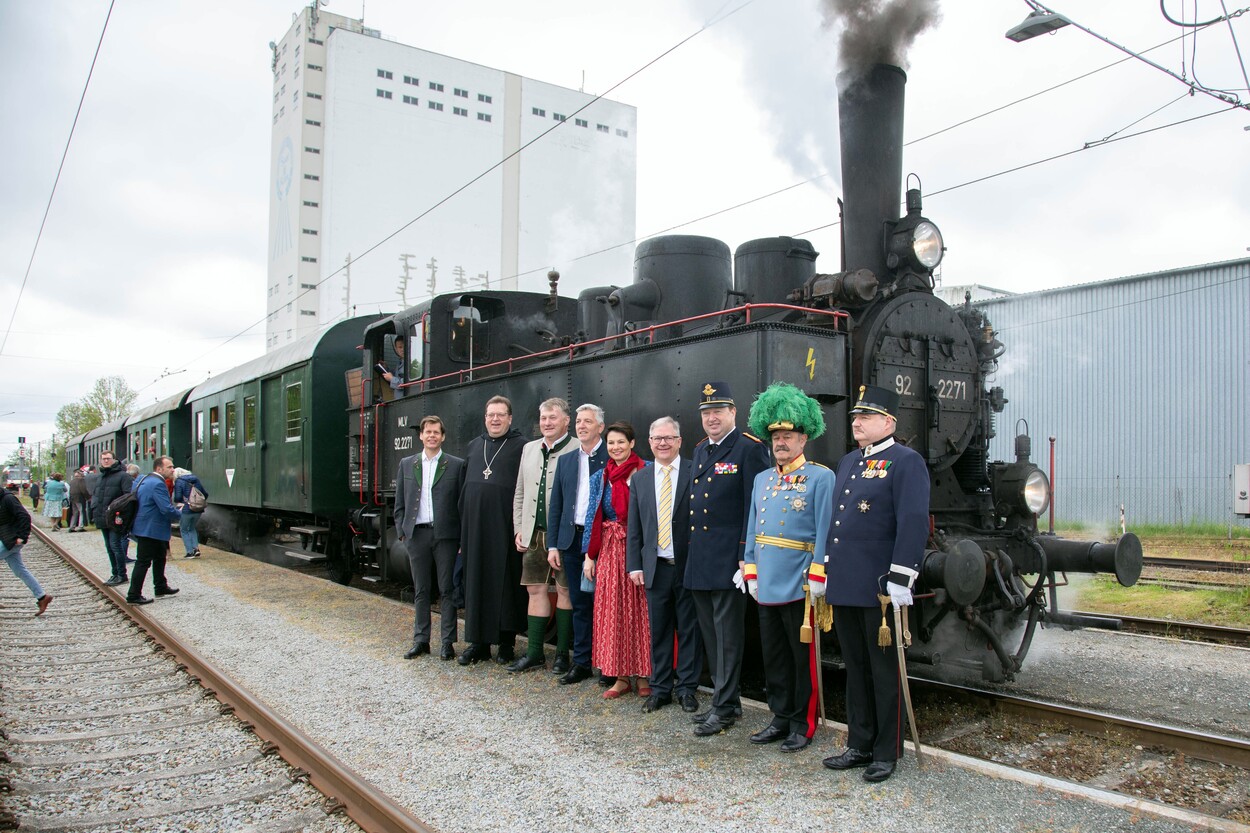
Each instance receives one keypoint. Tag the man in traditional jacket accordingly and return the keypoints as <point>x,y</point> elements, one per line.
<point>494,603</point>
<point>881,526</point>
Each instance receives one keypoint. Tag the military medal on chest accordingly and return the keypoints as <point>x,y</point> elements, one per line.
<point>798,504</point>
<point>864,506</point>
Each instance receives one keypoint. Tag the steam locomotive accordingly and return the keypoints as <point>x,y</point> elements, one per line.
<point>644,350</point>
<point>266,437</point>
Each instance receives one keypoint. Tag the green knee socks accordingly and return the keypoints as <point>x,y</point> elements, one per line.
<point>537,625</point>
<point>564,630</point>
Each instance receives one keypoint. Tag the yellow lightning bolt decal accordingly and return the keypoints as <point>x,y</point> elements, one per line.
<point>811,363</point>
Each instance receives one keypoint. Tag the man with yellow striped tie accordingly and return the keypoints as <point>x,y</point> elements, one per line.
<point>655,557</point>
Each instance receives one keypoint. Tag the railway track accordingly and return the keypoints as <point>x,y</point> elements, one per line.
<point>1201,565</point>
<point>1205,746</point>
<point>110,723</point>
<point>1193,631</point>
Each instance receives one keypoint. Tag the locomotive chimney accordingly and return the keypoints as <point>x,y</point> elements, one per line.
<point>870,120</point>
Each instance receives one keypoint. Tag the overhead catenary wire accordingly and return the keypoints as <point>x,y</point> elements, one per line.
<point>64,154</point>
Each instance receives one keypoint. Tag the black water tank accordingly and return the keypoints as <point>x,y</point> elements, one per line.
<point>768,269</point>
<point>691,273</point>
<point>592,315</point>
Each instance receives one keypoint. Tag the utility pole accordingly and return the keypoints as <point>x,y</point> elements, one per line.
<point>433,282</point>
<point>347,285</point>
<point>462,282</point>
<point>403,280</point>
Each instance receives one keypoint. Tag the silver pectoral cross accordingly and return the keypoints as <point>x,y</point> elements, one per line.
<point>486,472</point>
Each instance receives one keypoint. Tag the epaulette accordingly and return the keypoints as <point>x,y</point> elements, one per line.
<point>822,465</point>
<point>700,442</point>
<point>752,437</point>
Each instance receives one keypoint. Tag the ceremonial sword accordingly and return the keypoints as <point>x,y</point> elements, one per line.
<point>903,640</point>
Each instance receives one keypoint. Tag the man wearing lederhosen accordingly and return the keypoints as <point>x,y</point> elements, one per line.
<point>881,525</point>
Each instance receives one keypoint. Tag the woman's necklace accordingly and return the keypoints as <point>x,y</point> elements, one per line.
<point>486,471</point>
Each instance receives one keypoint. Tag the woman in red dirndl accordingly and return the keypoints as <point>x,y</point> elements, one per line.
<point>622,630</point>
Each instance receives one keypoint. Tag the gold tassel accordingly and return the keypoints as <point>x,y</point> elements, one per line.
<point>824,615</point>
<point>805,630</point>
<point>883,632</point>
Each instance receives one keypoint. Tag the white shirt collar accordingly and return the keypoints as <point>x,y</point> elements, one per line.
<point>872,449</point>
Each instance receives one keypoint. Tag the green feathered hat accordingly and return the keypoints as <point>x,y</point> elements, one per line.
<point>783,407</point>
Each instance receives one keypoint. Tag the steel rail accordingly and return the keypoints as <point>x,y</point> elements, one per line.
<point>363,803</point>
<point>1202,745</point>
<point>1193,631</point>
<point>1197,564</point>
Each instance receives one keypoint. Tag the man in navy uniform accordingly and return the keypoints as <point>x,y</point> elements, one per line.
<point>787,528</point>
<point>880,527</point>
<point>724,467</point>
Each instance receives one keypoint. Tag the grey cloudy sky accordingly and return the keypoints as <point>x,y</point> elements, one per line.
<point>154,251</point>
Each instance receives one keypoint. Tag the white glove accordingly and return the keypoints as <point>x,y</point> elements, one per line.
<point>738,582</point>
<point>899,595</point>
<point>816,589</point>
<point>753,587</point>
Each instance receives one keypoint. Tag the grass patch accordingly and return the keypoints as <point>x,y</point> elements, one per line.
<point>1215,607</point>
<point>1198,532</point>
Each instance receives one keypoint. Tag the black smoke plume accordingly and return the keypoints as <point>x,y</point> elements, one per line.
<point>878,31</point>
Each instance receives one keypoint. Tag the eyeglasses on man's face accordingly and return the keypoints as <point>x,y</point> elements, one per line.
<point>665,439</point>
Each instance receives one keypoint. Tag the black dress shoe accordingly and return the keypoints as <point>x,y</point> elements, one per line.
<point>606,681</point>
<point>418,648</point>
<point>116,580</point>
<point>849,759</point>
<point>795,742</point>
<point>447,652</point>
<point>576,674</point>
<point>526,663</point>
<point>879,771</point>
<point>142,600</point>
<point>704,715</point>
<point>770,734</point>
<point>505,655</point>
<point>561,666</point>
<point>714,725</point>
<point>473,653</point>
<point>166,591</point>
<point>656,702</point>
<point>689,703</point>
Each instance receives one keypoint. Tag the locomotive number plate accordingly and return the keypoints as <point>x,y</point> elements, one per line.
<point>403,443</point>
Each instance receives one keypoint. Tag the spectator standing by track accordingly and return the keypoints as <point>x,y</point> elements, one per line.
<point>34,495</point>
<point>184,482</point>
<point>55,496</point>
<point>14,532</point>
<point>79,500</point>
<point>114,482</point>
<point>151,532</point>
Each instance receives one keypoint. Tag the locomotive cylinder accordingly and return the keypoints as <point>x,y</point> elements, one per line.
<point>870,119</point>
<point>1124,557</point>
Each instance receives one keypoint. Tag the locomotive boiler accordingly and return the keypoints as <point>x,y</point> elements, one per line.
<point>693,313</point>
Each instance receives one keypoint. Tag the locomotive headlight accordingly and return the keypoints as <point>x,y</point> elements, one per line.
<point>1036,492</point>
<point>1020,488</point>
<point>926,244</point>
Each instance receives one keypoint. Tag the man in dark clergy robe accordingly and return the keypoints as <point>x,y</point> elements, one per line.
<point>494,601</point>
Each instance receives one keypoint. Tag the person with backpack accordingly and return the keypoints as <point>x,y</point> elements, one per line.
<point>191,497</point>
<point>113,482</point>
<point>14,532</point>
<point>151,532</point>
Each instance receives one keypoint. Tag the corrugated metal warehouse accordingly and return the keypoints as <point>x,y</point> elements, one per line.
<point>1144,383</point>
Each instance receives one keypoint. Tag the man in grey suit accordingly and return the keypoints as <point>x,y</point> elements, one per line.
<point>427,518</point>
<point>655,558</point>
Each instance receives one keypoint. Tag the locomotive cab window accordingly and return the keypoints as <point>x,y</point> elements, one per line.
<point>416,349</point>
<point>469,339</point>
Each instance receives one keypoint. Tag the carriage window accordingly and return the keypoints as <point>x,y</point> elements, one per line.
<point>199,430</point>
<point>214,428</point>
<point>232,428</point>
<point>249,420</point>
<point>164,448</point>
<point>294,411</point>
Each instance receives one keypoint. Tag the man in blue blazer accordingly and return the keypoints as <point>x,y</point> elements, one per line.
<point>151,532</point>
<point>658,563</point>
<point>567,514</point>
<point>725,465</point>
<point>427,520</point>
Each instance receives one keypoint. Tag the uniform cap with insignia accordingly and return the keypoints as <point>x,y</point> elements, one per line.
<point>783,407</point>
<point>874,400</point>
<point>716,395</point>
